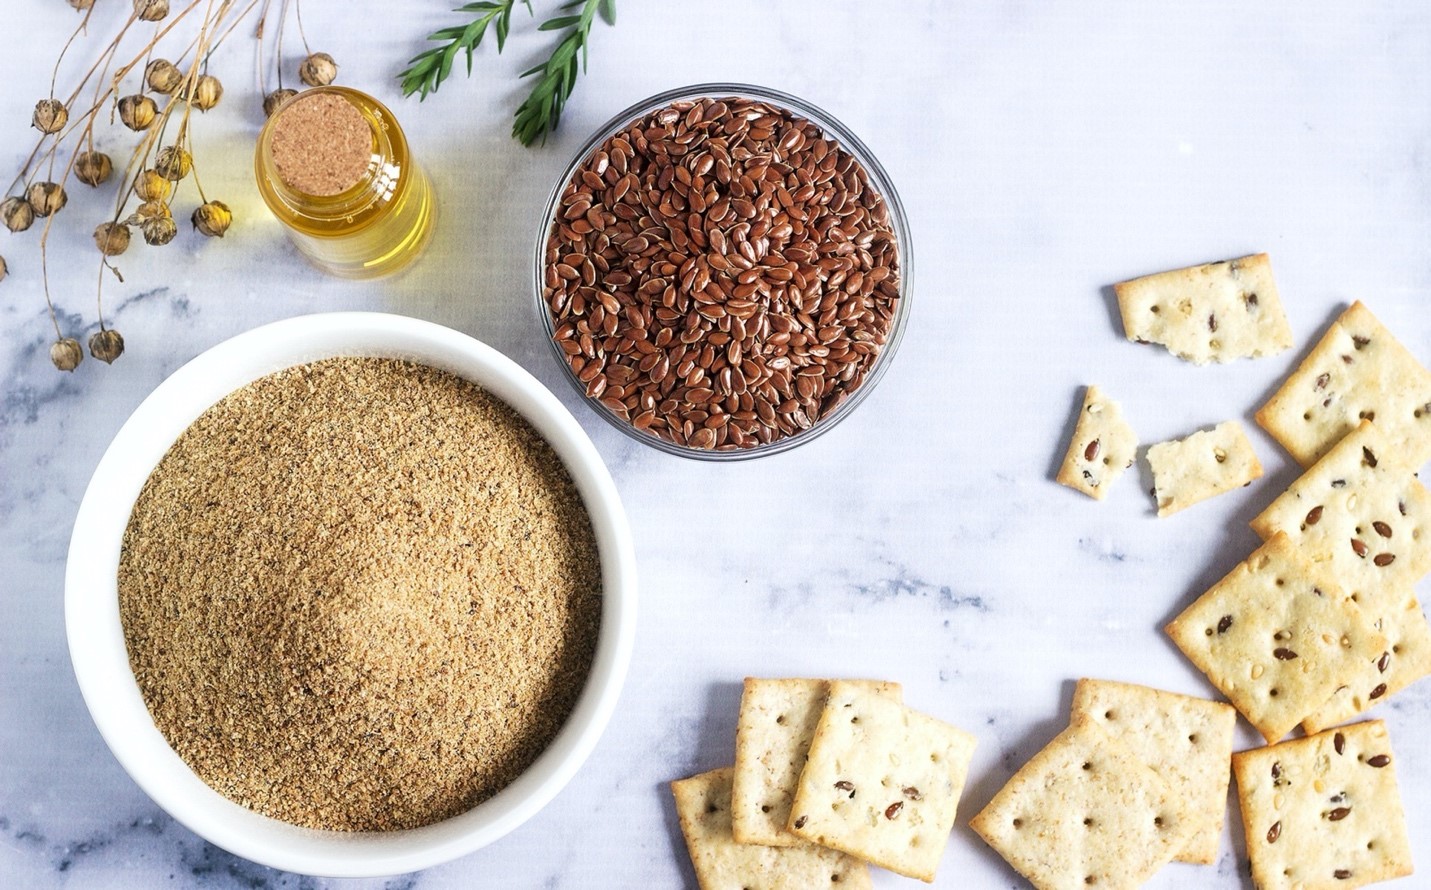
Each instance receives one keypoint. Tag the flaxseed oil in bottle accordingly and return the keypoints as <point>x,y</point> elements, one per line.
<point>335,168</point>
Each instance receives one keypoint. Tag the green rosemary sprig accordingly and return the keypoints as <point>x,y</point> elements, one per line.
<point>540,112</point>
<point>427,70</point>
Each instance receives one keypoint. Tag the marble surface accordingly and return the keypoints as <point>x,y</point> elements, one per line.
<point>1044,151</point>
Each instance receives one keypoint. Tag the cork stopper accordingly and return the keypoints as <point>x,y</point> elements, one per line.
<point>321,145</point>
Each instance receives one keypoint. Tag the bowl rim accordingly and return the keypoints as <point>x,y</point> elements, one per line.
<point>848,141</point>
<point>100,658</point>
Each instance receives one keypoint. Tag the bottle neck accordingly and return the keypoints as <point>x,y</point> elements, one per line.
<point>347,182</point>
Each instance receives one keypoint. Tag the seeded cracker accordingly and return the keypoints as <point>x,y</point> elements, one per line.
<point>1323,811</point>
<point>772,739</point>
<point>1361,510</point>
<point>1357,372</point>
<point>1205,464</point>
<point>882,782</point>
<point>1214,312</point>
<point>1406,659</point>
<point>1278,636</point>
<point>1186,740</point>
<point>1085,811</point>
<point>1103,446</point>
<point>703,806</point>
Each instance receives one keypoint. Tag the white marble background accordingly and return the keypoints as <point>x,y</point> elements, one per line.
<point>1044,150</point>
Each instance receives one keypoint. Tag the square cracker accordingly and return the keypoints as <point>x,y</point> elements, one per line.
<point>1085,811</point>
<point>1186,740</point>
<point>882,782</point>
<point>1406,659</point>
<point>1358,371</point>
<point>1103,446</point>
<point>1213,312</point>
<point>1323,811</point>
<point>1360,510</point>
<point>1207,463</point>
<point>772,738</point>
<point>1278,636</point>
<point>703,806</point>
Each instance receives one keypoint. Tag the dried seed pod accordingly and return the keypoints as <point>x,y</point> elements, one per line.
<point>46,197</point>
<point>148,210</point>
<point>318,70</point>
<point>82,5</point>
<point>111,238</point>
<point>93,167</point>
<point>173,163</point>
<point>4,269</point>
<point>106,345</point>
<point>207,92</point>
<point>151,10</point>
<point>66,353</point>
<point>163,76</point>
<point>159,230</point>
<point>212,219</point>
<point>17,213</point>
<point>151,185</point>
<point>50,116</point>
<point>137,111</point>
<point>274,100</point>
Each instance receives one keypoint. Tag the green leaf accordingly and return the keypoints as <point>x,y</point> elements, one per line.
<point>608,12</point>
<point>446,66</point>
<point>561,21</point>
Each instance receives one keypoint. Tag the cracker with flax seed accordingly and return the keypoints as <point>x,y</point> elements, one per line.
<point>1324,811</point>
<point>703,806</point>
<point>1205,464</point>
<point>1277,636</point>
<point>1085,811</point>
<point>1361,510</point>
<point>1213,312</point>
<point>882,782</point>
<point>1405,660</point>
<point>1186,740</point>
<point>772,738</point>
<point>1357,371</point>
<point>1103,446</point>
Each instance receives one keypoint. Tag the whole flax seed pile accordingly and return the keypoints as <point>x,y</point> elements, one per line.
<point>360,594</point>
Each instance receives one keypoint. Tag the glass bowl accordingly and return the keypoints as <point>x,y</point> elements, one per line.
<point>570,344</point>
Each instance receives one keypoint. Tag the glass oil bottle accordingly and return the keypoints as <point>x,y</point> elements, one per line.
<point>335,168</point>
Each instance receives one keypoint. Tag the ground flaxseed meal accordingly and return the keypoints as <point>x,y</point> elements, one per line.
<point>360,594</point>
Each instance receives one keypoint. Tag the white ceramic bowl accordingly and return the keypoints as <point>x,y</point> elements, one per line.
<point>96,638</point>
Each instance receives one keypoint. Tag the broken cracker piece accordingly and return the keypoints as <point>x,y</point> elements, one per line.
<point>1103,446</point>
<point>1205,464</point>
<point>1213,312</point>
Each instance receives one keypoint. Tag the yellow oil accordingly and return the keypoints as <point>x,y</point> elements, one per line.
<point>378,226</point>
